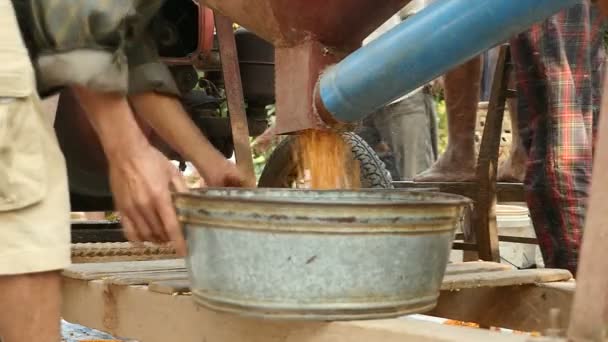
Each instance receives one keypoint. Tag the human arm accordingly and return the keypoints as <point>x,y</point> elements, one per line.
<point>166,115</point>
<point>140,175</point>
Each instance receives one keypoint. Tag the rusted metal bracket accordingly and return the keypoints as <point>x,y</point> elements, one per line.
<point>234,94</point>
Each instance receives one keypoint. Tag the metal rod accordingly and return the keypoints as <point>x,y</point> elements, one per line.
<point>425,46</point>
<point>236,101</point>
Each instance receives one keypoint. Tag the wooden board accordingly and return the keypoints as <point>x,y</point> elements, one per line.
<point>504,278</point>
<point>522,308</point>
<point>99,270</point>
<point>134,312</point>
<point>145,278</point>
<point>457,276</point>
<point>170,286</point>
<point>476,267</point>
<point>96,295</point>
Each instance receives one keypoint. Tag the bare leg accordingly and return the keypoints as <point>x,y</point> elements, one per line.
<point>462,87</point>
<point>513,169</point>
<point>31,307</point>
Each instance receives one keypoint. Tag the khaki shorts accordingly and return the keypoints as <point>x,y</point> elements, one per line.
<point>34,199</point>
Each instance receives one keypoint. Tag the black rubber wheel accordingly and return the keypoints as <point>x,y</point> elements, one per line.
<point>280,170</point>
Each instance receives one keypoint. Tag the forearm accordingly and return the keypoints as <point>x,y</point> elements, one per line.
<point>113,121</point>
<point>166,115</point>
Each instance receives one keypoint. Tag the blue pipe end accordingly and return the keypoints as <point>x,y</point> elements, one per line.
<point>442,36</point>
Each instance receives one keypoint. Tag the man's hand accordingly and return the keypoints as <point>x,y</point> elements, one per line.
<point>166,115</point>
<point>140,184</point>
<point>224,174</point>
<point>140,176</point>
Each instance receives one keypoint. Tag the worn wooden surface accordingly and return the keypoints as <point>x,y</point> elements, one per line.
<point>97,295</point>
<point>102,270</point>
<point>475,267</point>
<point>503,278</point>
<point>457,275</point>
<point>120,251</point>
<point>170,286</point>
<point>484,214</point>
<point>146,316</point>
<point>506,192</point>
<point>518,307</point>
<point>590,311</point>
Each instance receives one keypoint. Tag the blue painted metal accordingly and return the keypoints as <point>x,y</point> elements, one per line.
<point>425,46</point>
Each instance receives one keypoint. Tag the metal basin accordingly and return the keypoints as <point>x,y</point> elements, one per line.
<point>318,255</point>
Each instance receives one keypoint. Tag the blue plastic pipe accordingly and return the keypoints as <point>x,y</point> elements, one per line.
<point>425,46</point>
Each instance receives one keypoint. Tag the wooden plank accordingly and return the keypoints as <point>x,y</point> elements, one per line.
<point>476,267</point>
<point>523,308</point>
<point>100,270</point>
<point>120,258</point>
<point>146,278</point>
<point>170,286</point>
<point>143,269</point>
<point>505,278</point>
<point>506,192</point>
<point>504,238</point>
<point>467,247</point>
<point>120,251</point>
<point>140,271</point>
<point>484,214</point>
<point>146,316</point>
<point>590,310</point>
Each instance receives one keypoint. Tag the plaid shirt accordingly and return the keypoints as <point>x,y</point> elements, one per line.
<point>558,66</point>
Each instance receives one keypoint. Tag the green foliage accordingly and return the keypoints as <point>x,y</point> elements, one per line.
<point>112,216</point>
<point>442,125</point>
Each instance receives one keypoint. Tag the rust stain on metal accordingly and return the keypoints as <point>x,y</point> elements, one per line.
<point>236,102</point>
<point>309,35</point>
<point>297,70</point>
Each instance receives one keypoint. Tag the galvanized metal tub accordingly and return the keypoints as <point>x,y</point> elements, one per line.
<point>318,255</point>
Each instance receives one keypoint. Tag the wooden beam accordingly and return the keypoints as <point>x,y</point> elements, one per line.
<point>504,238</point>
<point>506,192</point>
<point>453,282</point>
<point>522,308</point>
<point>484,214</point>
<point>589,320</point>
<point>147,316</point>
